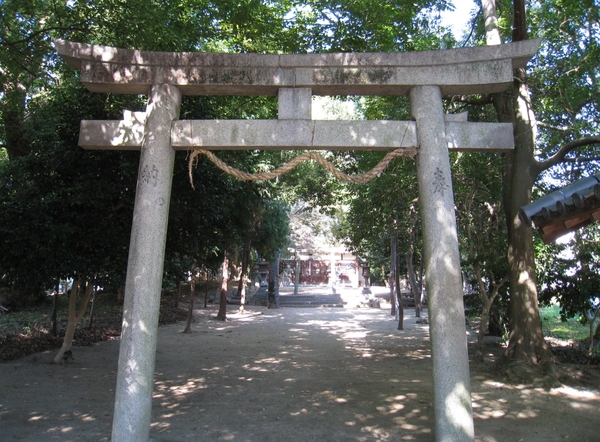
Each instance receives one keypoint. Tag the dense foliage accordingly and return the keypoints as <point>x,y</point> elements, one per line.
<point>64,211</point>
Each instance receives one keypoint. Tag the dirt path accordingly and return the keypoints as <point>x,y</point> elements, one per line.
<point>287,374</point>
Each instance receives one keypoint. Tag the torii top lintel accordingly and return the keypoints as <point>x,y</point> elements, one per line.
<point>464,71</point>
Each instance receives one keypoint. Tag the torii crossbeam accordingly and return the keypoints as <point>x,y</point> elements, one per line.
<point>424,76</point>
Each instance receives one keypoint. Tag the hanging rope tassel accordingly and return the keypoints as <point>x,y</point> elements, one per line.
<point>358,178</point>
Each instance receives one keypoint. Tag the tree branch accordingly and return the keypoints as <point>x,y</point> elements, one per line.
<point>558,128</point>
<point>468,99</point>
<point>559,156</point>
<point>38,32</point>
<point>580,160</point>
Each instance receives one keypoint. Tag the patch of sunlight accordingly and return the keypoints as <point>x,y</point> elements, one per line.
<point>527,414</point>
<point>350,423</point>
<point>364,352</point>
<point>164,390</point>
<point>489,413</point>
<point>227,328</point>
<point>573,393</point>
<point>418,355</point>
<point>391,408</point>
<point>341,400</point>
<point>496,384</point>
<point>183,389</point>
<point>298,330</point>
<point>581,407</point>
<point>355,335</point>
<point>458,407</point>
<point>363,417</point>
<point>298,413</point>
<point>247,316</point>
<point>142,326</point>
<point>87,418</point>
<point>169,406</point>
<point>376,432</point>
<point>160,426</point>
<point>258,367</point>
<point>66,429</point>
<point>255,368</point>
<point>36,418</point>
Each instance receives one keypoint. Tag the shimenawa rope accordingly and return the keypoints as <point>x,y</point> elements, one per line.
<point>358,178</point>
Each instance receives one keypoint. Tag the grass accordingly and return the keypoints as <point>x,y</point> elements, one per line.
<point>571,330</point>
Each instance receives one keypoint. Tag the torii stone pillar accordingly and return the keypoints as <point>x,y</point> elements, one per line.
<point>137,354</point>
<point>451,379</point>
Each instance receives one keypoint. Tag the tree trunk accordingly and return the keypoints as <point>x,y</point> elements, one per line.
<point>242,286</point>
<point>400,306</point>
<point>526,340</point>
<point>393,254</point>
<point>12,115</point>
<point>74,317</point>
<point>222,315</point>
<point>53,317</point>
<point>487,301</point>
<point>178,295</point>
<point>188,324</point>
<point>273,291</point>
<point>206,288</point>
<point>415,288</point>
<point>92,309</point>
<point>591,316</point>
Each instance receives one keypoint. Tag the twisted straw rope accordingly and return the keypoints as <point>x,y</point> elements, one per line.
<point>358,178</point>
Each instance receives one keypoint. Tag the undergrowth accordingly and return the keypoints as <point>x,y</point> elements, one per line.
<point>29,330</point>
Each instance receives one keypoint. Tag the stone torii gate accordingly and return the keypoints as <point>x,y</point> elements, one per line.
<point>424,76</point>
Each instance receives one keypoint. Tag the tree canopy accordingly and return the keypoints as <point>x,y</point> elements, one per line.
<point>65,211</point>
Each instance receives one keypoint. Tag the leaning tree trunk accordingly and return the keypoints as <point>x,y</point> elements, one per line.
<point>487,301</point>
<point>222,315</point>
<point>393,267</point>
<point>400,305</point>
<point>74,318</point>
